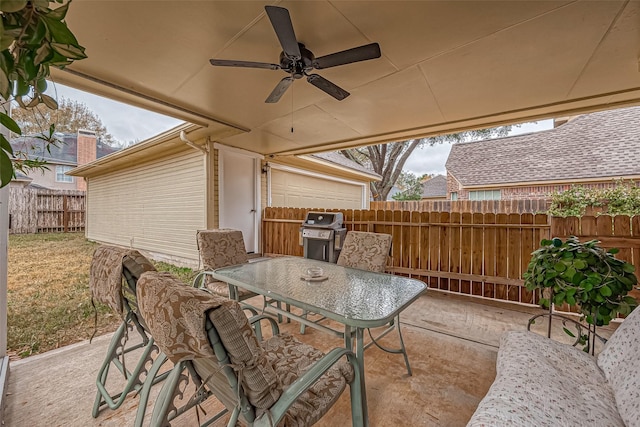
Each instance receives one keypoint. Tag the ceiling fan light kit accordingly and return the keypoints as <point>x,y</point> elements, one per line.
<point>298,61</point>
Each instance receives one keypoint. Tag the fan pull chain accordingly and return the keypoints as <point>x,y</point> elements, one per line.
<point>292,108</point>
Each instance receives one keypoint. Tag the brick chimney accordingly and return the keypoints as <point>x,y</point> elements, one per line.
<point>87,146</point>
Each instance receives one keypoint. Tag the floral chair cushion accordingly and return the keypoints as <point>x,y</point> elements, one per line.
<point>258,378</point>
<point>105,273</point>
<point>221,248</point>
<point>137,264</point>
<point>290,359</point>
<point>222,289</point>
<point>175,314</point>
<point>366,251</point>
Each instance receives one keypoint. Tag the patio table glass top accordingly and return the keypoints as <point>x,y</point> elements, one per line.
<point>354,297</point>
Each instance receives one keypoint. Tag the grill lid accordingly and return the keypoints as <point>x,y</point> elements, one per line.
<point>323,220</point>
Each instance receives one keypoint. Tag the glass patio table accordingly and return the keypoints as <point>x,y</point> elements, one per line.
<point>358,299</point>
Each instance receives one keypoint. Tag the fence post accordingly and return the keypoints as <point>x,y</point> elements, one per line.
<point>65,213</point>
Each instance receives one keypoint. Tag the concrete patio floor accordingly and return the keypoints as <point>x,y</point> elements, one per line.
<point>452,343</point>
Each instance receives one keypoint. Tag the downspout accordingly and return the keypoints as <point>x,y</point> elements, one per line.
<point>207,172</point>
<point>183,137</point>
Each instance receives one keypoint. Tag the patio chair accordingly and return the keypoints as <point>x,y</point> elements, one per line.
<point>114,273</point>
<point>276,382</point>
<point>365,251</point>
<point>221,248</point>
<point>362,250</point>
<point>370,251</point>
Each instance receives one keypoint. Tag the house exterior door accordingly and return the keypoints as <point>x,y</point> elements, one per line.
<point>239,196</point>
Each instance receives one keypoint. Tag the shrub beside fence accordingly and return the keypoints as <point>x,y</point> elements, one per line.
<point>35,210</point>
<point>479,254</point>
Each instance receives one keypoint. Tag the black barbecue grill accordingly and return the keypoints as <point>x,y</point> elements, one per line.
<point>322,235</point>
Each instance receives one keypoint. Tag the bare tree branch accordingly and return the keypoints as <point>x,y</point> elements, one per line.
<point>388,160</point>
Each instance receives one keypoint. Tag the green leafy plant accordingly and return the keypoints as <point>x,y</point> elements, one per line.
<point>582,275</point>
<point>621,199</point>
<point>33,38</point>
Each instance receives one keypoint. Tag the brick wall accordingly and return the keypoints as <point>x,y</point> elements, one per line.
<point>87,146</point>
<point>537,192</point>
<point>453,186</point>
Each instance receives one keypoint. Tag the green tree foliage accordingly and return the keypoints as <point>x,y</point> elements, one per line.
<point>33,38</point>
<point>388,160</point>
<point>410,187</point>
<point>621,199</point>
<point>70,116</point>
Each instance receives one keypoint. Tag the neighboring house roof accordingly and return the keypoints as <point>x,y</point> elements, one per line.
<point>340,160</point>
<point>435,187</point>
<point>65,152</point>
<point>598,145</point>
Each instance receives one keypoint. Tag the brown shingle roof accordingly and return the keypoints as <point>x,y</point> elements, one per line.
<point>598,145</point>
<point>435,187</point>
<point>65,150</point>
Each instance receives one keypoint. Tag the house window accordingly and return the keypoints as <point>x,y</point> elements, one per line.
<point>484,195</point>
<point>60,174</point>
<point>454,196</point>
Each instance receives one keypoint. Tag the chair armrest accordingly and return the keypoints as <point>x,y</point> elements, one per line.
<point>257,327</point>
<point>198,280</point>
<point>299,386</point>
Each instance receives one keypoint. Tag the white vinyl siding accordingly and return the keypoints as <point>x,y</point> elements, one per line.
<point>157,206</point>
<point>289,189</point>
<point>484,195</point>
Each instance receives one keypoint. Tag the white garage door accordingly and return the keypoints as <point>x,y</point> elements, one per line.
<point>294,190</point>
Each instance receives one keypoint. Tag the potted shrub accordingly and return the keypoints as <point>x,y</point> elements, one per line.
<point>582,275</point>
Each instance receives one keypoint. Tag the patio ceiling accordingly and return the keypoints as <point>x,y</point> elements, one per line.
<point>445,66</point>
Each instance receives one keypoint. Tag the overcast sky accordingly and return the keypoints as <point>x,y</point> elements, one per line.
<point>124,122</point>
<point>127,123</point>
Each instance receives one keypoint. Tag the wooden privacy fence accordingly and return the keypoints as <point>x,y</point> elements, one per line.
<point>35,210</point>
<point>474,254</point>
<point>471,206</point>
<point>483,255</point>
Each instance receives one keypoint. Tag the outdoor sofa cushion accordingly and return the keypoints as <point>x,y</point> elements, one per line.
<point>543,382</point>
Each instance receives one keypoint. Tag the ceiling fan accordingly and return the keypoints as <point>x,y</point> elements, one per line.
<point>298,61</point>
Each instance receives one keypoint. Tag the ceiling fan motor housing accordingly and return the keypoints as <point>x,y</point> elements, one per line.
<point>297,68</point>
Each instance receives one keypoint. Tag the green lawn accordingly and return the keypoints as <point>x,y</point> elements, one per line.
<point>49,304</point>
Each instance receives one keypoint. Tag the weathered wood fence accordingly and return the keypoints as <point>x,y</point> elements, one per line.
<point>35,210</point>
<point>472,206</point>
<point>483,255</point>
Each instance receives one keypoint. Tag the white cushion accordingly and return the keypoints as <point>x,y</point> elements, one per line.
<point>620,362</point>
<point>541,382</point>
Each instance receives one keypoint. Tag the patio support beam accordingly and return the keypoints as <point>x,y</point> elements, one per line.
<point>4,244</point>
<point>4,247</point>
